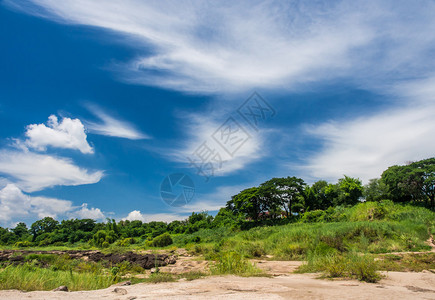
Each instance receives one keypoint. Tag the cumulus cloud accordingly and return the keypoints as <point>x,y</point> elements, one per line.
<point>135,215</point>
<point>68,134</point>
<point>15,205</point>
<point>33,172</point>
<point>113,127</point>
<point>87,213</point>
<point>233,46</point>
<point>163,217</point>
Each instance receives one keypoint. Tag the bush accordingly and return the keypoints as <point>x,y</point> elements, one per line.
<point>23,244</point>
<point>350,265</point>
<point>126,242</point>
<point>162,240</point>
<point>233,263</point>
<point>313,216</point>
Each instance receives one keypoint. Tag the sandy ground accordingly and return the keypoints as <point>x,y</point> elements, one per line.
<point>283,284</point>
<point>396,285</point>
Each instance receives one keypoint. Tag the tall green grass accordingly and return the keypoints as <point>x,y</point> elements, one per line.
<point>233,263</point>
<point>371,227</point>
<point>349,265</point>
<point>31,278</point>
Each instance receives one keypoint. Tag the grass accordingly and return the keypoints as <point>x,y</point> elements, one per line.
<point>31,278</point>
<point>415,262</point>
<point>233,263</point>
<point>379,227</point>
<point>339,242</point>
<point>349,265</point>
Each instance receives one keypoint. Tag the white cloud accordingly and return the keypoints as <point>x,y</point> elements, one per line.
<point>113,127</point>
<point>85,213</point>
<point>163,217</point>
<point>200,128</point>
<point>135,215</point>
<point>49,207</point>
<point>33,172</point>
<point>366,146</point>
<point>68,134</point>
<point>16,205</point>
<point>233,46</point>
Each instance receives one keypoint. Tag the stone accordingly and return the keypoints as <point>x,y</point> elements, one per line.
<point>120,291</point>
<point>62,288</point>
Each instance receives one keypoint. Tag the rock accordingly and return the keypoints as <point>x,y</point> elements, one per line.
<point>132,297</point>
<point>120,291</point>
<point>172,259</point>
<point>124,283</point>
<point>62,288</point>
<point>154,270</point>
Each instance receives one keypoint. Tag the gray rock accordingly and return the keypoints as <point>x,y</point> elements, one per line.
<point>120,291</point>
<point>62,288</point>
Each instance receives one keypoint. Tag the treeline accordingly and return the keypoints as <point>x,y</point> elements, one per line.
<point>290,197</point>
<point>49,231</point>
<point>276,201</point>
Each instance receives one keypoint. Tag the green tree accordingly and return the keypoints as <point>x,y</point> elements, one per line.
<point>287,193</point>
<point>412,182</point>
<point>247,202</point>
<point>375,190</point>
<point>316,196</point>
<point>20,230</point>
<point>46,225</point>
<point>350,190</point>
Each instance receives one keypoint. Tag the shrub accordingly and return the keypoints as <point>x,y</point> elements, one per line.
<point>23,244</point>
<point>313,216</point>
<point>350,265</point>
<point>126,242</point>
<point>233,263</point>
<point>162,240</point>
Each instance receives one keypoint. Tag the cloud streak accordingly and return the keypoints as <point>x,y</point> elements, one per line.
<point>366,146</point>
<point>110,126</point>
<point>236,46</point>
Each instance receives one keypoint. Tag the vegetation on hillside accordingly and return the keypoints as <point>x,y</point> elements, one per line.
<point>338,229</point>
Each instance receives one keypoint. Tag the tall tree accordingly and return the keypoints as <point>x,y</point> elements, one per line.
<point>316,196</point>
<point>413,182</point>
<point>247,202</point>
<point>46,225</point>
<point>375,190</point>
<point>350,190</point>
<point>288,191</point>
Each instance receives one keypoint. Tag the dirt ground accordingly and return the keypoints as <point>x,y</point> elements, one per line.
<point>396,285</point>
<point>282,284</point>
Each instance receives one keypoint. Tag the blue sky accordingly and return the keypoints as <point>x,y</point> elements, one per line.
<point>100,101</point>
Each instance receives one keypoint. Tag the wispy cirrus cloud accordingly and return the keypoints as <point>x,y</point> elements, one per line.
<point>235,46</point>
<point>203,134</point>
<point>366,146</point>
<point>113,127</point>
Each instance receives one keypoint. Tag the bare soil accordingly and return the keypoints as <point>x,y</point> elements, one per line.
<point>396,285</point>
